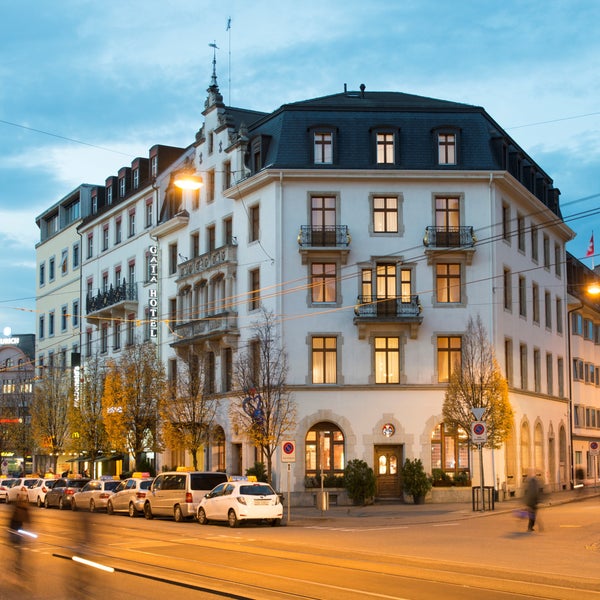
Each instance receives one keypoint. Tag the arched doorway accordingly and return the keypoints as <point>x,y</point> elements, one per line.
<point>388,463</point>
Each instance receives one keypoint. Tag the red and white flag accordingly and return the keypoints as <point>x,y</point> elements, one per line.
<point>590,250</point>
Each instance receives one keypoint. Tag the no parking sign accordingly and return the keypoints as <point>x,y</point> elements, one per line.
<point>288,451</point>
<point>478,432</point>
<point>594,448</point>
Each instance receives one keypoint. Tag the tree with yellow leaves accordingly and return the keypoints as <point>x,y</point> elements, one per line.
<point>478,383</point>
<point>134,390</point>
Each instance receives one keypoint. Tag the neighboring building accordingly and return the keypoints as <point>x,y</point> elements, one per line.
<point>584,330</point>
<point>372,225</point>
<point>17,359</point>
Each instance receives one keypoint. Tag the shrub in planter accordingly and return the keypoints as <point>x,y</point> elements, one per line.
<point>440,478</point>
<point>258,470</point>
<point>462,479</point>
<point>359,481</point>
<point>415,481</point>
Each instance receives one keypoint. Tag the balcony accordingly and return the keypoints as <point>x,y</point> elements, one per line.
<point>115,300</point>
<point>212,260</point>
<point>455,239</point>
<point>372,313</point>
<point>325,239</point>
<point>211,328</point>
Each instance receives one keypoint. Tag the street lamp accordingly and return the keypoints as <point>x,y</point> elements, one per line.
<point>188,179</point>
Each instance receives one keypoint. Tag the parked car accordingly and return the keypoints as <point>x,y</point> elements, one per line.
<point>36,493</point>
<point>130,495</point>
<point>237,501</point>
<point>177,493</point>
<point>94,494</point>
<point>5,485</point>
<point>20,486</point>
<point>62,492</point>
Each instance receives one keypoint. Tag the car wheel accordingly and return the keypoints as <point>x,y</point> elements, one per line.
<point>73,504</point>
<point>148,511</point>
<point>232,518</point>
<point>132,510</point>
<point>275,522</point>
<point>178,514</point>
<point>202,517</point>
<point>46,503</point>
<point>39,502</point>
<point>61,503</point>
<point>92,505</point>
<point>109,508</point>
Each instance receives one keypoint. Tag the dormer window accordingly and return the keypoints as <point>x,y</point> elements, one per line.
<point>323,147</point>
<point>385,148</point>
<point>109,195</point>
<point>154,166</point>
<point>136,179</point>
<point>122,187</point>
<point>446,148</point>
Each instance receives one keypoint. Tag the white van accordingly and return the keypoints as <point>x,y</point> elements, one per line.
<point>177,493</point>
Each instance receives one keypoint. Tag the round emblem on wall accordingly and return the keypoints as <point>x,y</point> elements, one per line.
<point>388,430</point>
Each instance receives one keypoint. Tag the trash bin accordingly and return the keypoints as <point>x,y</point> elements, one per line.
<point>323,500</point>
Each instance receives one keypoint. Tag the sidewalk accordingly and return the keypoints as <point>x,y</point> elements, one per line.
<point>382,513</point>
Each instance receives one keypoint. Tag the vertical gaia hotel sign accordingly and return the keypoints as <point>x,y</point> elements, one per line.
<point>153,291</point>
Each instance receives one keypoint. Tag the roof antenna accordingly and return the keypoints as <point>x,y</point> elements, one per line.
<point>362,90</point>
<point>345,88</point>
<point>214,61</point>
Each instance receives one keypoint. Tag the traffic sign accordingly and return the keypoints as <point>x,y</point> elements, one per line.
<point>478,432</point>
<point>288,451</point>
<point>594,448</point>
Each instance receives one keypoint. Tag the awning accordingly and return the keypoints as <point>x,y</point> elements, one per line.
<point>78,459</point>
<point>110,457</point>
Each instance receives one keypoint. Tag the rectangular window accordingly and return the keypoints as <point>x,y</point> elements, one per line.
<point>227,369</point>
<point>548,310</point>
<point>117,335</point>
<point>226,175</point>
<point>535,300</point>
<point>210,186</point>
<point>51,323</point>
<point>522,297</point>
<point>172,313</point>
<point>64,318</point>
<point>534,243</point>
<point>130,329</point>
<point>324,360</point>
<point>549,374</point>
<point>508,360</point>
<point>131,228</point>
<point>64,262</point>
<point>546,252</point>
<point>41,327</point>
<point>109,194</point>
<point>323,282</point>
<point>448,288</point>
<point>446,149</point>
<point>506,222</point>
<point>385,214</point>
<point>449,356</point>
<point>254,223</point>
<point>118,231</point>
<point>172,259</point>
<point>122,187</point>
<point>523,363</point>
<point>75,315</point>
<point>105,238</point>
<point>385,148</point>
<point>559,316</point>
<point>387,360</point>
<point>521,232</point>
<point>507,289</point>
<point>211,238</point>
<point>209,382</point>
<point>560,367</point>
<point>537,370</point>
<point>42,274</point>
<point>148,213</point>
<point>104,338</point>
<point>136,179</point>
<point>557,260</point>
<point>254,285</point>
<point>90,245</point>
<point>195,244</point>
<point>228,231</point>
<point>75,256</point>
<point>323,148</point>
<point>51,269</point>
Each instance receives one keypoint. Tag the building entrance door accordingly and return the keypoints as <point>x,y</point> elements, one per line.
<point>388,463</point>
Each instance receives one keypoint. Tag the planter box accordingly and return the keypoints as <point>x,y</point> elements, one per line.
<point>441,495</point>
<point>337,497</point>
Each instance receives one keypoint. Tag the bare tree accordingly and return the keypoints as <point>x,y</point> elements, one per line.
<point>189,414</point>
<point>87,421</point>
<point>50,412</point>
<point>266,411</point>
<point>479,383</point>
<point>134,390</point>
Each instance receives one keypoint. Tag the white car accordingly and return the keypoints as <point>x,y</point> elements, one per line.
<point>21,487</point>
<point>236,501</point>
<point>36,493</point>
<point>5,485</point>
<point>94,494</point>
<point>129,496</point>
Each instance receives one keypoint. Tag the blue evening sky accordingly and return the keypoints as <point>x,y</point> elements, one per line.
<point>122,75</point>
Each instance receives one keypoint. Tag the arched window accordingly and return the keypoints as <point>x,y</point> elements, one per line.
<point>449,449</point>
<point>324,447</point>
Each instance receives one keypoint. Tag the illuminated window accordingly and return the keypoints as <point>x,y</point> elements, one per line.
<point>448,288</point>
<point>446,149</point>
<point>449,449</point>
<point>323,148</point>
<point>324,360</point>
<point>387,360</point>
<point>385,148</point>
<point>449,350</point>
<point>324,448</point>
<point>385,214</point>
<point>323,282</point>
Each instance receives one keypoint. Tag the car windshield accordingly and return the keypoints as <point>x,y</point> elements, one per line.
<point>77,483</point>
<point>111,485</point>
<point>256,489</point>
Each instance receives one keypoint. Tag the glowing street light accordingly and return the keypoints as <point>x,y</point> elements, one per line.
<point>187,179</point>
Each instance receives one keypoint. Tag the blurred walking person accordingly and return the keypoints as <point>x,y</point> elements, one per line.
<point>532,499</point>
<point>19,521</point>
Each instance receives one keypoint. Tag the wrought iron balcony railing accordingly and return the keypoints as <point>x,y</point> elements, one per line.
<point>449,237</point>
<point>328,236</point>
<point>126,292</point>
<point>371,307</point>
<point>207,327</point>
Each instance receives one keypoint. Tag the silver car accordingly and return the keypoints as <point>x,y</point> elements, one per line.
<point>129,496</point>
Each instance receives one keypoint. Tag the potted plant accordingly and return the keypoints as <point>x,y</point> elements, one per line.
<point>415,481</point>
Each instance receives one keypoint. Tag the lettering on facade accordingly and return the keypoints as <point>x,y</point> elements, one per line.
<point>153,292</point>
